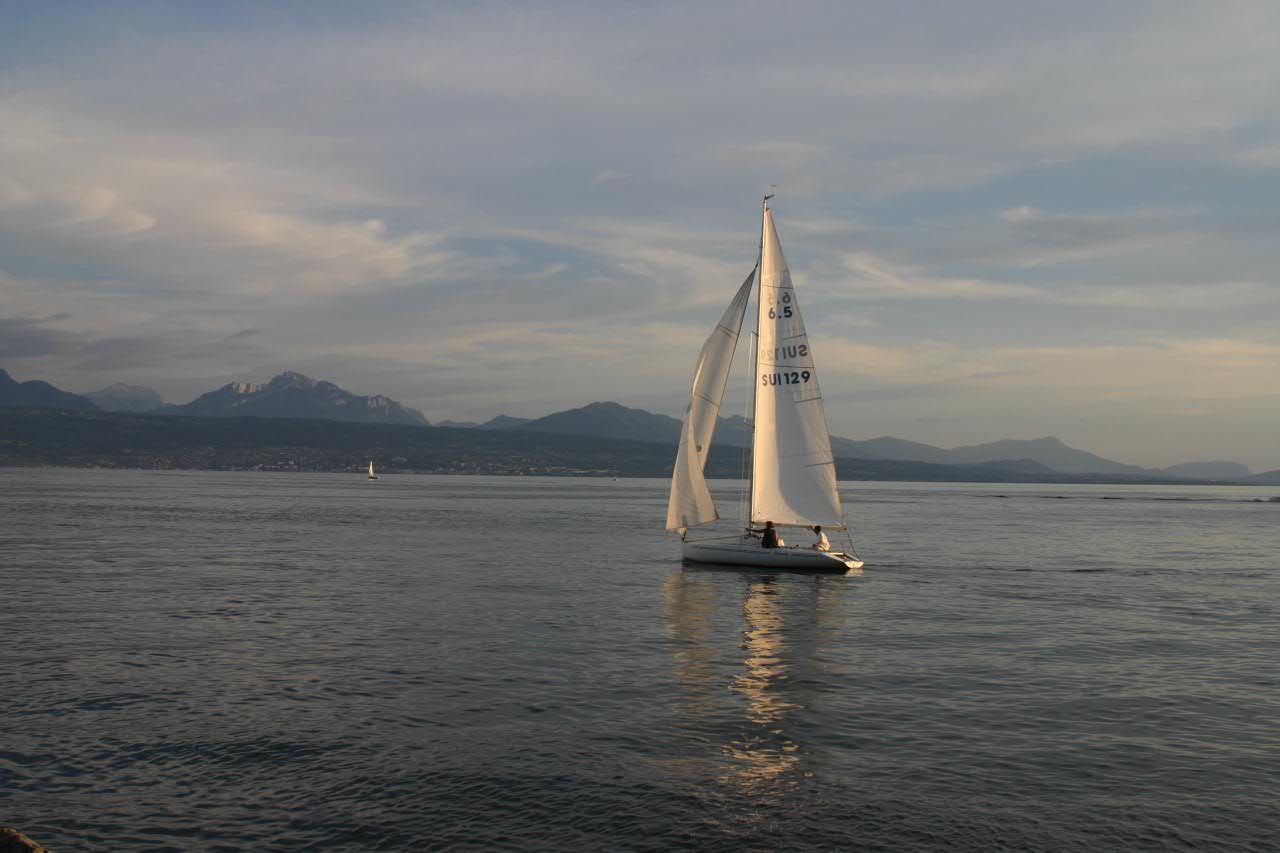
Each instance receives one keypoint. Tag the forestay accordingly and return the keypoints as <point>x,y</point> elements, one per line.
<point>793,470</point>
<point>690,502</point>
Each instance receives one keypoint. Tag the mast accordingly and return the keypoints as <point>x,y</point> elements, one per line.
<point>755,362</point>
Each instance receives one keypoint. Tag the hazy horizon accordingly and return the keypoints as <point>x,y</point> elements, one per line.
<point>743,413</point>
<point>1003,220</point>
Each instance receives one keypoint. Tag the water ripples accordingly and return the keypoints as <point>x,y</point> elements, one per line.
<point>276,662</point>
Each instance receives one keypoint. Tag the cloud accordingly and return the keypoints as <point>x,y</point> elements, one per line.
<point>1066,250</point>
<point>604,176</point>
<point>189,217</point>
<point>24,337</point>
<point>1153,402</point>
<point>498,208</point>
<point>1026,213</point>
<point>1028,237</point>
<point>1203,370</point>
<point>1260,156</point>
<point>58,348</point>
<point>876,276</point>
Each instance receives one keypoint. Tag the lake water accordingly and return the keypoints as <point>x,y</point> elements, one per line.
<point>208,661</point>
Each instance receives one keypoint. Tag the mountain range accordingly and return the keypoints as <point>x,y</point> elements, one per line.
<point>37,393</point>
<point>618,421</point>
<point>293,395</point>
<point>1217,470</point>
<point>1024,456</point>
<point>497,422</point>
<point>39,437</point>
<point>126,398</point>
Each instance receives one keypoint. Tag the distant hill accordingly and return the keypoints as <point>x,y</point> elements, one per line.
<point>1267,478</point>
<point>126,398</point>
<point>733,431</point>
<point>887,447</point>
<point>1209,470</point>
<point>292,395</point>
<point>613,420</point>
<point>498,422</point>
<point>608,420</point>
<point>1050,453</point>
<point>46,437</point>
<point>1047,451</point>
<point>41,437</point>
<point>1012,466</point>
<point>504,422</point>
<point>34,392</point>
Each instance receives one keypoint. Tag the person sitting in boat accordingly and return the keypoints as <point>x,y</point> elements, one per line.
<point>769,537</point>
<point>821,544</point>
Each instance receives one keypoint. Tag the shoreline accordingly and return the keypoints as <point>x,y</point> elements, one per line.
<point>1047,480</point>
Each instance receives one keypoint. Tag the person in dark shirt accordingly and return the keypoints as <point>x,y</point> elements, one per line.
<point>768,536</point>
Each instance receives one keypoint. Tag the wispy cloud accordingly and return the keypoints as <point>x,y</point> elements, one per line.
<point>483,208</point>
<point>604,176</point>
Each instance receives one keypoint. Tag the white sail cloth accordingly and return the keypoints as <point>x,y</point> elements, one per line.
<point>793,469</point>
<point>690,502</point>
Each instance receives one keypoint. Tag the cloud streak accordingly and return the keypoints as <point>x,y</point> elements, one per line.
<point>501,208</point>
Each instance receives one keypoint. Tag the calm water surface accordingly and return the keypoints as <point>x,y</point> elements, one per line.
<point>209,661</point>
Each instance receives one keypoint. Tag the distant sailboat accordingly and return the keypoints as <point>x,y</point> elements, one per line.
<point>372,476</point>
<point>793,473</point>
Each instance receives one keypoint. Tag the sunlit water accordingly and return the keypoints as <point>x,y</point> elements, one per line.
<point>203,661</point>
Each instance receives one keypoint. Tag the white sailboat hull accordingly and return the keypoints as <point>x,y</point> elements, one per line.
<point>747,552</point>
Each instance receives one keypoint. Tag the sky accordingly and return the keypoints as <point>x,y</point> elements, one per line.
<point>1003,219</point>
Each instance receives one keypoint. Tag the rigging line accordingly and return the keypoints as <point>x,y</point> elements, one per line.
<point>747,405</point>
<point>715,539</point>
<point>848,537</point>
<point>798,457</point>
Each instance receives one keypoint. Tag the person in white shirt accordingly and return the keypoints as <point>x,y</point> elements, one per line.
<point>821,544</point>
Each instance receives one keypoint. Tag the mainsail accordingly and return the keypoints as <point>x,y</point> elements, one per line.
<point>793,470</point>
<point>690,502</point>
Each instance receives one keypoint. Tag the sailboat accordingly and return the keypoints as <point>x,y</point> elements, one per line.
<point>793,472</point>
<point>372,476</point>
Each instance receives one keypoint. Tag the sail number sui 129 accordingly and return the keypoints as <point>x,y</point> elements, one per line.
<point>793,377</point>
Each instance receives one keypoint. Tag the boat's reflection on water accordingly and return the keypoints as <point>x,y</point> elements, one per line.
<point>767,751</point>
<point>751,670</point>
